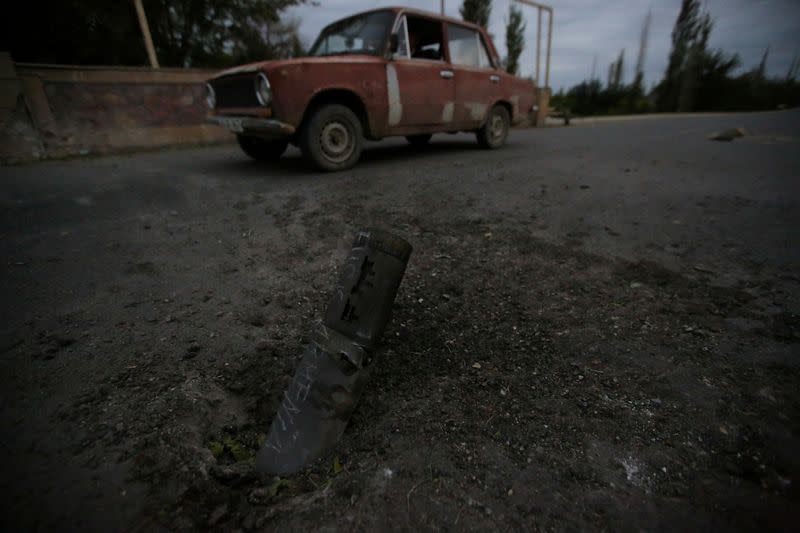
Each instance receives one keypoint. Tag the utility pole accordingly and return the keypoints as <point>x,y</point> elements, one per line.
<point>541,7</point>
<point>538,42</point>
<point>148,40</point>
<point>442,6</point>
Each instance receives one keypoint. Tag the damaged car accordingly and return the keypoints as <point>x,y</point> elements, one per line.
<point>382,73</point>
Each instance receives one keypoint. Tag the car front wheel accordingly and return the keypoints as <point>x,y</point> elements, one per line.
<point>332,138</point>
<point>494,132</point>
<point>261,149</point>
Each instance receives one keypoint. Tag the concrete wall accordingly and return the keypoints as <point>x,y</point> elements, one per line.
<point>55,111</point>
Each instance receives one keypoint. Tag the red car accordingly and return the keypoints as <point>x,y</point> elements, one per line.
<point>382,73</point>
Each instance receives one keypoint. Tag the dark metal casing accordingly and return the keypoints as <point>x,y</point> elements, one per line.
<point>335,366</point>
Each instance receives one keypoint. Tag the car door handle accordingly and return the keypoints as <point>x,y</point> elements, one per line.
<point>446,74</point>
<point>494,79</point>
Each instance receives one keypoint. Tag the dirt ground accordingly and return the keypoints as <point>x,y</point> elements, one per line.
<point>526,382</point>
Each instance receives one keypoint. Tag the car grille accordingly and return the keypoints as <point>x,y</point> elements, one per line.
<point>235,91</point>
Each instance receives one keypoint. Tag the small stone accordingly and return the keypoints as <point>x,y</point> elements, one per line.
<point>262,345</point>
<point>476,365</point>
<point>249,521</point>
<point>258,495</point>
<point>727,135</point>
<point>510,492</point>
<point>217,514</point>
<point>191,351</point>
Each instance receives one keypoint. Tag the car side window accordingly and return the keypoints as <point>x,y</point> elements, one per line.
<point>402,39</point>
<point>483,55</point>
<point>467,47</point>
<point>425,38</point>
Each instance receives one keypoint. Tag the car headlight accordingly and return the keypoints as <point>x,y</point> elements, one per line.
<point>263,90</point>
<point>211,97</point>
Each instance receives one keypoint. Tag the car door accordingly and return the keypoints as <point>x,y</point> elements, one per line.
<point>477,82</point>
<point>420,86</point>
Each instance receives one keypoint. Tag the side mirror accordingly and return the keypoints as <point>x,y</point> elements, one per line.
<point>394,43</point>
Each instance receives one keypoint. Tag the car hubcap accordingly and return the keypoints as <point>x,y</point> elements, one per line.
<point>336,141</point>
<point>497,127</point>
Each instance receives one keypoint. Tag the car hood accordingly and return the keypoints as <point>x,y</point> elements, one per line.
<point>267,66</point>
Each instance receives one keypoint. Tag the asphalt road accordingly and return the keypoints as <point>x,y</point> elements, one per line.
<point>74,233</point>
<point>653,189</point>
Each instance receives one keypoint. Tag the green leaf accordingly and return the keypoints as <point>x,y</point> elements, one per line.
<point>216,448</point>
<point>239,452</point>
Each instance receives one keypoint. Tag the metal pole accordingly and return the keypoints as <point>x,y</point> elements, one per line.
<point>538,41</point>
<point>549,9</point>
<point>549,42</point>
<point>148,40</point>
<point>442,4</point>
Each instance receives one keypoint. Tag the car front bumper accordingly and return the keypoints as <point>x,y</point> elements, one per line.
<point>261,127</point>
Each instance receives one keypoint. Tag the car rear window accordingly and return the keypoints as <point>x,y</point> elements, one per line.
<point>467,47</point>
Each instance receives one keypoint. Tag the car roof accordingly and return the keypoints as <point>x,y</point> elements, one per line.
<point>421,12</point>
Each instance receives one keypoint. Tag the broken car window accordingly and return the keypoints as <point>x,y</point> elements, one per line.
<point>425,37</point>
<point>362,34</point>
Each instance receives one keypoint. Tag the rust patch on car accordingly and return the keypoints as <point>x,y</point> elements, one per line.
<point>477,110</point>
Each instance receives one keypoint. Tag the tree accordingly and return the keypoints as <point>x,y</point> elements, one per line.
<point>694,71</point>
<point>619,70</point>
<point>616,72</point>
<point>644,37</point>
<point>205,33</point>
<point>683,33</point>
<point>515,39</point>
<point>761,72</point>
<point>476,11</point>
<point>77,32</point>
<point>791,73</point>
<point>219,32</point>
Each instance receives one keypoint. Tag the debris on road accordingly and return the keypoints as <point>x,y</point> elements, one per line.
<point>727,135</point>
<point>335,366</point>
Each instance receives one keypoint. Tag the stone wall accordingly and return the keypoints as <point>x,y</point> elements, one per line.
<point>56,111</point>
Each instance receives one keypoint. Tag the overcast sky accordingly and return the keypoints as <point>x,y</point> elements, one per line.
<point>585,29</point>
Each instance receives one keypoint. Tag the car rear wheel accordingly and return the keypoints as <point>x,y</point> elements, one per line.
<point>262,149</point>
<point>494,132</point>
<point>332,138</point>
<point>419,140</point>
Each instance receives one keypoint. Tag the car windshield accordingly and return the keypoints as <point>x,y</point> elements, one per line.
<point>362,34</point>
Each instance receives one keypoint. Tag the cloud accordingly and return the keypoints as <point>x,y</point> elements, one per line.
<point>586,31</point>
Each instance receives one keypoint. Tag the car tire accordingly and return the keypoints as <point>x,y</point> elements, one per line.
<point>494,132</point>
<point>262,149</point>
<point>332,138</point>
<point>419,140</point>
